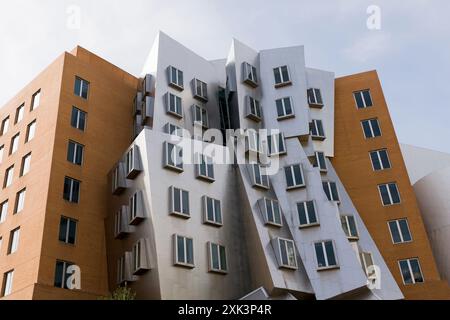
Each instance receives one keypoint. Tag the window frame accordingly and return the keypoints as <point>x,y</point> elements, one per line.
<point>208,163</point>
<point>4,207</point>
<point>31,128</point>
<point>184,263</point>
<point>279,241</point>
<point>411,273</point>
<point>178,101</point>
<point>203,94</point>
<point>69,223</point>
<point>363,99</point>
<point>79,114</point>
<point>296,184</point>
<point>66,265</point>
<point>20,113</point>
<point>36,97</point>
<point>181,191</point>
<point>9,177</point>
<point>25,166</point>
<point>315,103</point>
<point>315,129</point>
<point>317,163</point>
<point>215,204</point>
<point>389,194</point>
<point>14,239</point>
<point>77,148</point>
<point>250,75</point>
<point>71,192</point>
<point>369,121</point>
<point>400,233</point>
<point>347,228</point>
<point>19,203</point>
<point>211,268</point>
<point>253,105</point>
<point>8,279</point>
<point>5,126</point>
<point>84,84</point>
<point>307,214</point>
<point>284,82</point>
<point>204,118</point>
<point>281,148</point>
<point>330,191</point>
<point>14,146</point>
<point>378,155</point>
<point>325,255</point>
<point>273,203</point>
<point>175,83</point>
<point>285,115</point>
<point>168,159</point>
<point>262,177</point>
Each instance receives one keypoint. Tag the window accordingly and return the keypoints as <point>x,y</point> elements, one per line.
<point>75,153</point>
<point>7,283</point>
<point>294,177</point>
<point>200,90</point>
<point>317,132</point>
<point>281,76</point>
<point>400,231</point>
<point>366,261</point>
<point>179,202</point>
<point>272,212</point>
<point>67,230</point>
<point>140,263</point>
<point>284,108</point>
<point>320,162</point>
<point>5,126</point>
<point>260,179</point>
<point>250,74</point>
<point>325,255</point>
<point>174,105</point>
<point>217,258</point>
<point>25,167</point>
<point>31,130</point>
<point>14,237</point>
<point>349,225</point>
<point>331,191</point>
<point>81,88</point>
<point>276,144</point>
<point>307,215</point>
<point>363,99</point>
<point>20,201</point>
<point>9,174</point>
<point>253,109</point>
<point>121,269</point>
<point>411,271</point>
<point>14,144</point>
<point>174,130</point>
<point>176,78</point>
<point>288,257</point>
<point>315,97</point>
<point>136,208</point>
<point>71,190</point>
<point>253,141</point>
<point>212,211</point>
<point>62,274</point>
<point>3,211</point>
<point>2,149</point>
<point>389,194</point>
<point>205,167</point>
<point>173,156</point>
<point>78,119</point>
<point>200,116</point>
<point>371,128</point>
<point>184,251</point>
<point>36,100</point>
<point>19,113</point>
<point>380,160</point>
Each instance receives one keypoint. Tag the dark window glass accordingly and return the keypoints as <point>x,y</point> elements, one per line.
<point>367,98</point>
<point>311,212</point>
<point>395,232</point>
<point>405,230</point>
<point>385,195</point>
<point>320,255</point>
<point>185,202</point>
<point>405,272</point>
<point>359,100</point>
<point>330,253</point>
<point>375,128</point>
<point>375,161</point>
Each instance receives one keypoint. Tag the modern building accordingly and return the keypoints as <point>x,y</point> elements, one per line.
<point>124,179</point>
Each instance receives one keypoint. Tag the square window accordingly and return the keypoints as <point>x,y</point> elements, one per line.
<point>389,194</point>
<point>371,128</point>
<point>284,108</point>
<point>411,271</point>
<point>400,232</point>
<point>380,160</point>
<point>307,214</point>
<point>315,98</point>
<point>363,99</point>
<point>62,274</point>
<point>276,144</point>
<point>294,177</point>
<point>282,77</point>
<point>325,254</point>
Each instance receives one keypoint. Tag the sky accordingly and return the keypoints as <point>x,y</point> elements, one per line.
<point>410,47</point>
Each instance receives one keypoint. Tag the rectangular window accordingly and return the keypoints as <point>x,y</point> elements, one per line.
<point>174,105</point>
<point>272,212</point>
<point>139,255</point>
<point>75,153</point>
<point>19,113</point>
<point>326,257</point>
<point>176,78</point>
<point>135,202</point>
<point>250,75</point>
<point>174,130</point>
<point>363,99</point>
<point>2,150</point>
<point>36,100</point>
<point>307,215</point>
<point>184,251</point>
<point>26,163</point>
<point>81,88</point>
<point>9,174</point>
<point>315,97</point>
<point>200,90</point>
<point>212,211</point>
<point>281,76</point>
<point>121,266</point>
<point>14,144</point>
<point>31,131</point>
<point>320,162</point>
<point>20,201</point>
<point>316,128</point>
<point>253,109</point>
<point>217,258</point>
<point>173,156</point>
<point>179,202</point>
<point>294,177</point>
<point>14,238</point>
<point>371,128</point>
<point>71,190</point>
<point>331,191</point>
<point>284,108</point>
<point>7,283</point>
<point>367,262</point>
<point>389,194</point>
<point>61,274</point>
<point>3,211</point>
<point>380,160</point>
<point>276,144</point>
<point>411,271</point>
<point>400,231</point>
<point>78,119</point>
<point>288,257</point>
<point>260,179</point>
<point>200,116</point>
<point>5,126</point>
<point>205,167</point>
<point>349,225</point>
<point>253,141</point>
<point>67,230</point>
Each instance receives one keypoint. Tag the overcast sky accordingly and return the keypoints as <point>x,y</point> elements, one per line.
<point>411,51</point>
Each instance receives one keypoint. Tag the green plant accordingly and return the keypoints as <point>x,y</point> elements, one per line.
<point>122,293</point>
